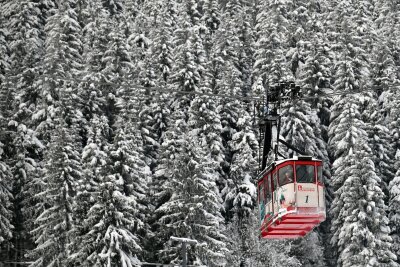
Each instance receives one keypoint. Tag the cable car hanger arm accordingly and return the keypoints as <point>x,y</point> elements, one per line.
<point>301,152</point>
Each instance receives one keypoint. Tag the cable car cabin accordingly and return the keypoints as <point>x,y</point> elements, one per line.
<point>291,198</point>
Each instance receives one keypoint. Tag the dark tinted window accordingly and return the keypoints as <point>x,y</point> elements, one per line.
<point>319,174</point>
<point>305,173</point>
<point>286,175</point>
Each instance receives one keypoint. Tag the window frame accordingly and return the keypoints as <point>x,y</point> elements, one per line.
<point>289,164</point>
<point>306,164</point>
<point>320,174</point>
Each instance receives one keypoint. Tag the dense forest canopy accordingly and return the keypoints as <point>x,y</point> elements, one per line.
<point>99,169</point>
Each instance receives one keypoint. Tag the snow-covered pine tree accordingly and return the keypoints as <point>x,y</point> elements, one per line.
<point>117,67</point>
<point>173,153</point>
<point>172,162</point>
<point>106,209</point>
<point>380,140</point>
<point>350,175</point>
<point>211,19</point>
<point>25,25</point>
<point>167,167</point>
<point>394,207</point>
<point>193,211</point>
<point>388,24</point>
<point>361,229</point>
<point>205,154</point>
<point>108,239</point>
<point>347,127</point>
<point>187,70</point>
<point>63,170</point>
<point>204,122</point>
<point>157,71</point>
<point>95,43</point>
<point>242,196</point>
<point>94,157</point>
<point>162,41</point>
<point>394,185</point>
<point>384,82</point>
<point>272,32</point>
<point>230,110</point>
<point>62,60</point>
<point>126,155</point>
<point>230,70</point>
<point>316,72</point>
<point>6,227</point>
<point>155,110</point>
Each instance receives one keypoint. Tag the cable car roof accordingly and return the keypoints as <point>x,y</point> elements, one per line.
<point>279,162</point>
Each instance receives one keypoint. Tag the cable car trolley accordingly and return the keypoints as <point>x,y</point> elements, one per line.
<point>291,193</point>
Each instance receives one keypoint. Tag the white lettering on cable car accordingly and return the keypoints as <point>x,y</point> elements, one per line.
<point>305,189</point>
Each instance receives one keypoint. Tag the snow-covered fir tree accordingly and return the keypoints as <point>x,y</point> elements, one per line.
<point>157,164</point>
<point>194,206</point>
<point>394,185</point>
<point>363,235</point>
<point>105,225</point>
<point>394,214</point>
<point>110,223</point>
<point>63,171</point>
<point>25,41</point>
<point>6,202</point>
<point>126,155</point>
<point>271,31</point>
<point>242,196</point>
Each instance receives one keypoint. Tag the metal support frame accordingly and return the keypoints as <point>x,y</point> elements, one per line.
<point>270,124</point>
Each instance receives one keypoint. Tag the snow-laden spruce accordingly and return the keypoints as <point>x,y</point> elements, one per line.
<point>6,228</point>
<point>52,226</point>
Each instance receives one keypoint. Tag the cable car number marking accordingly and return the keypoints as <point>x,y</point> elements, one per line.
<point>307,199</point>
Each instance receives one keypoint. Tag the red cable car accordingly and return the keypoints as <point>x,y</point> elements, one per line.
<point>291,195</point>
<point>291,198</point>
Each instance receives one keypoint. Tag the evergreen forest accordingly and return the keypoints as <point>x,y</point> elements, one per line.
<point>124,123</point>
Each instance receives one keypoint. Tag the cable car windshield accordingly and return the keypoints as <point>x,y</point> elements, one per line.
<point>305,173</point>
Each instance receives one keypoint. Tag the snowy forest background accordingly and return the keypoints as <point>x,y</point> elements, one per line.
<point>98,169</point>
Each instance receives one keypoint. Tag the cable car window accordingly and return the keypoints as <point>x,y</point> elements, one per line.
<point>268,188</point>
<point>319,174</point>
<point>261,201</point>
<point>286,175</point>
<point>305,173</point>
